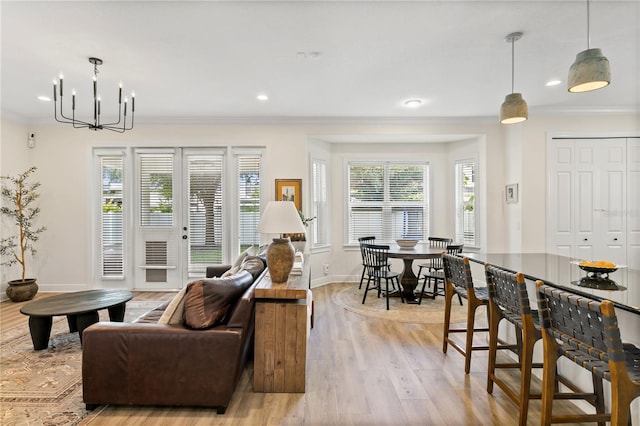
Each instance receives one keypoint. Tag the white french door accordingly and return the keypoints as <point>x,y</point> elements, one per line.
<point>178,215</point>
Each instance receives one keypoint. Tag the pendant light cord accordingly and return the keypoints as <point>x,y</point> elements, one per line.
<point>513,67</point>
<point>588,32</point>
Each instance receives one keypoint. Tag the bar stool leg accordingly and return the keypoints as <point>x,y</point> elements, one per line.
<point>447,316</point>
<point>471,310</point>
<point>599,402</point>
<point>550,362</point>
<point>525,376</point>
<point>494,321</point>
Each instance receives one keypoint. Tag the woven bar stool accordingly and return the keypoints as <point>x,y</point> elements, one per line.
<point>586,332</point>
<point>508,299</point>
<point>457,279</point>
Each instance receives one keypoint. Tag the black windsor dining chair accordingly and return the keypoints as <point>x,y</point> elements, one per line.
<point>436,275</point>
<point>434,264</point>
<point>361,241</point>
<point>377,265</point>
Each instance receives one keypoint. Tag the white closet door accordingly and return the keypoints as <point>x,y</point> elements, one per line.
<point>588,196</point>
<point>560,238</point>
<point>611,204</point>
<point>585,193</point>
<point>633,202</point>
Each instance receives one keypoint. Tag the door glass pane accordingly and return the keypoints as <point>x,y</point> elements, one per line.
<point>205,175</point>
<point>112,231</point>
<point>249,200</point>
<point>156,190</point>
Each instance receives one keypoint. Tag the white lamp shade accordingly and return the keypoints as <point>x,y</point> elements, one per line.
<point>281,217</point>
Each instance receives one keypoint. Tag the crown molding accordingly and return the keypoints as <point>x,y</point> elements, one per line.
<point>327,120</point>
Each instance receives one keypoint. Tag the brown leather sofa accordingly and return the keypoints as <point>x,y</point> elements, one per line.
<point>147,363</point>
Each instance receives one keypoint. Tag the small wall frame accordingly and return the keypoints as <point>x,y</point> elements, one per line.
<point>511,193</point>
<point>289,190</point>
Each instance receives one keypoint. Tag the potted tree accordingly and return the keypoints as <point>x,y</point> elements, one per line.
<point>18,195</point>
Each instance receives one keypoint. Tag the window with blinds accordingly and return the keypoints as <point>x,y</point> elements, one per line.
<point>465,199</point>
<point>206,218</point>
<point>388,199</point>
<point>156,190</point>
<point>111,219</point>
<point>248,175</point>
<point>320,226</point>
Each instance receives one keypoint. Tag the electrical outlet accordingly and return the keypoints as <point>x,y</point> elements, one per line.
<point>325,268</point>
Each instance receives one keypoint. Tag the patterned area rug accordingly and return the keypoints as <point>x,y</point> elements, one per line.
<point>45,387</point>
<point>431,311</point>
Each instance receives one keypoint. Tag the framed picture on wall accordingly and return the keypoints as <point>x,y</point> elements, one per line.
<point>289,190</point>
<point>511,193</point>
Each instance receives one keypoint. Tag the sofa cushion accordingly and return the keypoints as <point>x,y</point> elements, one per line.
<point>250,251</point>
<point>208,302</point>
<point>173,313</point>
<point>254,265</point>
<point>231,271</point>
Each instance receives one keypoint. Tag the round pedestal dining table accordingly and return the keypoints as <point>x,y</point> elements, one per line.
<point>409,281</point>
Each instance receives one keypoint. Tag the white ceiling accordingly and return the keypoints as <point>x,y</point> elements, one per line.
<point>207,60</point>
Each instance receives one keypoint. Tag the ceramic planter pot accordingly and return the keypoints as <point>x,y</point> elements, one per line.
<point>21,291</point>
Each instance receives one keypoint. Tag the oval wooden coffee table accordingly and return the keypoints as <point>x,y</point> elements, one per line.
<point>81,309</point>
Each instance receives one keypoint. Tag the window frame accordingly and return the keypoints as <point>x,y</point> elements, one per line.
<point>459,203</point>
<point>97,218</point>
<point>235,246</point>
<point>320,228</point>
<point>387,204</point>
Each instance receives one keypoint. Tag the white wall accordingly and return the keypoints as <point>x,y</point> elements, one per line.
<point>513,167</point>
<point>63,158</point>
<point>15,157</point>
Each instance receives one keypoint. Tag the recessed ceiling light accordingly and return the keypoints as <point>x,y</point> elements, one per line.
<point>413,103</point>
<point>44,98</point>
<point>553,83</point>
<point>262,97</point>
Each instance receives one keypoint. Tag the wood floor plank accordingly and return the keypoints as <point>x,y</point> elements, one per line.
<point>360,371</point>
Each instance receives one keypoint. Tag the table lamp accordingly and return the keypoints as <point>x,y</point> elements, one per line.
<point>280,217</point>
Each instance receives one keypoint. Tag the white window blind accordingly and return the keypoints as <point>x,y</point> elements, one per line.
<point>111,223</point>
<point>249,197</point>
<point>465,195</point>
<point>388,200</point>
<point>205,174</point>
<point>320,208</point>
<point>156,190</point>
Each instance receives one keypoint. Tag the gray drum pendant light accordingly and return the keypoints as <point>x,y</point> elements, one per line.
<point>514,108</point>
<point>591,70</point>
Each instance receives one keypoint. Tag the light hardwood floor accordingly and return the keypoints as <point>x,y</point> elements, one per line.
<point>360,371</point>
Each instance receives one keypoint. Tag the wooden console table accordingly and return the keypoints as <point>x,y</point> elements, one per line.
<point>280,359</point>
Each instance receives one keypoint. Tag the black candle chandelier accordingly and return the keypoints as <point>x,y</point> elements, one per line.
<point>97,124</point>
